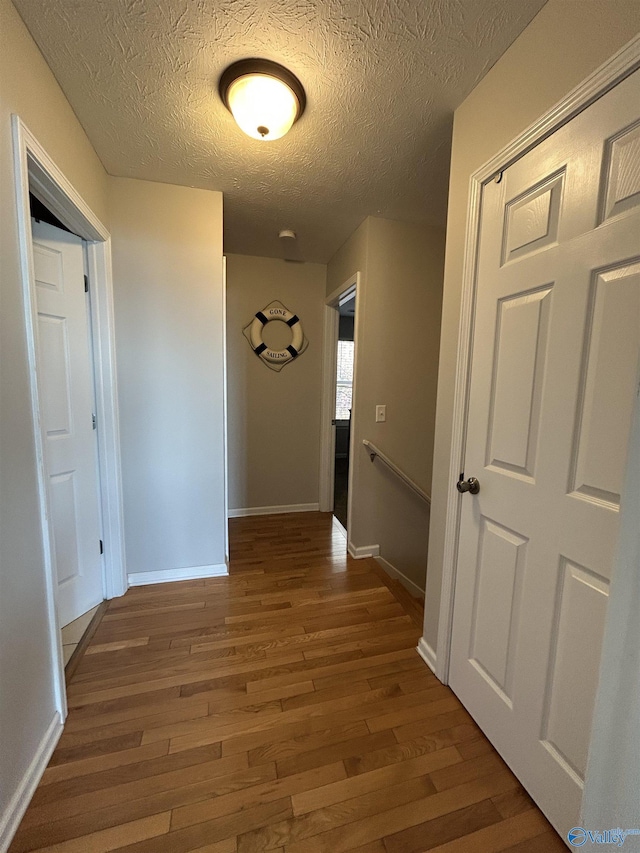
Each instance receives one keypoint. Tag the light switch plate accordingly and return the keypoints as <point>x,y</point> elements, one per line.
<point>381,414</point>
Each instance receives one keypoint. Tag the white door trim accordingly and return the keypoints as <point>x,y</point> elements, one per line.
<point>35,170</point>
<point>606,77</point>
<point>225,411</point>
<point>327,434</point>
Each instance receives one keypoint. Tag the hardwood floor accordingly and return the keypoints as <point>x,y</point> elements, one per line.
<point>281,709</point>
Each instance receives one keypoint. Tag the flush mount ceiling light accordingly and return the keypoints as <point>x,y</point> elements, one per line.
<point>264,98</point>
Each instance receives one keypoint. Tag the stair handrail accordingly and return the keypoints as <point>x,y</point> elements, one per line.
<point>374,452</point>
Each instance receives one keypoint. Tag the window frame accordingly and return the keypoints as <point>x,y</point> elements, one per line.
<point>344,383</point>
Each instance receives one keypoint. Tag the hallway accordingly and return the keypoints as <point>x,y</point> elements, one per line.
<point>283,708</point>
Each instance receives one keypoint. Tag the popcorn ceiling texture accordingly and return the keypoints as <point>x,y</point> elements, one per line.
<point>382,79</point>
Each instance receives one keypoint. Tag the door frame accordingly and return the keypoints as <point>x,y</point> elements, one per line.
<point>329,367</point>
<point>621,65</point>
<point>35,171</point>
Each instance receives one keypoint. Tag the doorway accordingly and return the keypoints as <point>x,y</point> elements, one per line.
<point>37,174</point>
<point>345,360</point>
<point>556,314</point>
<point>343,315</point>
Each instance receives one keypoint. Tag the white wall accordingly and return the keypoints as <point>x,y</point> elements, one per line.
<point>564,43</point>
<point>401,278</point>
<point>168,291</point>
<point>26,690</point>
<point>274,418</point>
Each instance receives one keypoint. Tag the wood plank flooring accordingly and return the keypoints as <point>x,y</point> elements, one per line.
<point>281,709</point>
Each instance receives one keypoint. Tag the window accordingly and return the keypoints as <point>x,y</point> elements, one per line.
<point>344,382</point>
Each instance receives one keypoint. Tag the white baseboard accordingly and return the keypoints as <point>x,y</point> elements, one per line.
<point>190,573</point>
<point>19,802</point>
<point>273,510</point>
<point>406,582</point>
<point>427,654</point>
<point>363,551</point>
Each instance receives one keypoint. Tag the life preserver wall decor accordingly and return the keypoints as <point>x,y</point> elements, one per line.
<point>275,358</point>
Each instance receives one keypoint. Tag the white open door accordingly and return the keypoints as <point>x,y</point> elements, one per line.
<point>67,410</point>
<point>554,360</point>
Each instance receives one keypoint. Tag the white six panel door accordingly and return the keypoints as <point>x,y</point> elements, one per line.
<point>555,355</point>
<point>66,405</point>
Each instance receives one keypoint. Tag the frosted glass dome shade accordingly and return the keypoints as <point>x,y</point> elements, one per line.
<point>264,98</point>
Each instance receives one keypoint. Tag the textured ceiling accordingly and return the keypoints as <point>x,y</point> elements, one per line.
<point>382,79</point>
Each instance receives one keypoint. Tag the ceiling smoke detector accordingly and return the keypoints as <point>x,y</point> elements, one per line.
<point>265,98</point>
<point>289,246</point>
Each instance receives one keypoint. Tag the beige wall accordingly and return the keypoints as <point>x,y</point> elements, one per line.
<point>562,45</point>
<point>27,88</point>
<point>401,276</point>
<point>351,257</point>
<point>168,292</point>
<point>274,418</point>
<point>167,244</point>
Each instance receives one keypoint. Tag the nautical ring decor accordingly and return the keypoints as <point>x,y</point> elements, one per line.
<point>254,333</point>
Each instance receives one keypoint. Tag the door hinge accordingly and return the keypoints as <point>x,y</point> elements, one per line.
<point>94,421</point>
<point>86,284</point>
<point>101,547</point>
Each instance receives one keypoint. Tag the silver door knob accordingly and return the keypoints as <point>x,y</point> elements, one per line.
<point>471,485</point>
